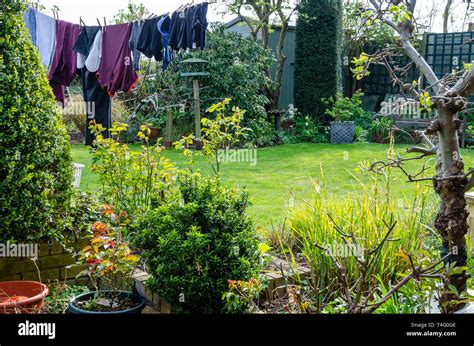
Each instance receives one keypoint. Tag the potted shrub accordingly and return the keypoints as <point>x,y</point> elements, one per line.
<point>110,265</point>
<point>154,124</point>
<point>343,110</point>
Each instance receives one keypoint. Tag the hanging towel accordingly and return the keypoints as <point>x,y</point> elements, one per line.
<point>45,37</point>
<point>164,29</point>
<point>116,68</point>
<point>64,65</point>
<point>30,23</point>
<point>136,31</point>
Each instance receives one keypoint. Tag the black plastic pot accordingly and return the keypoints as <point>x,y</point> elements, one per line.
<point>342,132</point>
<point>137,309</point>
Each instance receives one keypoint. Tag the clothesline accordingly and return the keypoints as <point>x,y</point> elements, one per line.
<point>107,57</point>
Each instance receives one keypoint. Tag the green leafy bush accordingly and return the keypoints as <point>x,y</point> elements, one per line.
<point>194,246</point>
<point>305,129</point>
<point>342,108</point>
<point>76,219</point>
<point>35,158</point>
<point>131,180</point>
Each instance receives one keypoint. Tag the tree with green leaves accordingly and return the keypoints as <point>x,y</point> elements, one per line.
<point>265,16</point>
<point>318,54</point>
<point>131,13</point>
<point>35,158</point>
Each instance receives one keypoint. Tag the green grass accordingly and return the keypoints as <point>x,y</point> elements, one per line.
<point>286,168</point>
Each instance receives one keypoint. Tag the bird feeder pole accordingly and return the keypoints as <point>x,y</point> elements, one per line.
<point>197,109</point>
<point>196,99</point>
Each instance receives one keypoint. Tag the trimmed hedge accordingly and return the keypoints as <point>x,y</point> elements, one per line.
<point>35,159</point>
<point>318,54</point>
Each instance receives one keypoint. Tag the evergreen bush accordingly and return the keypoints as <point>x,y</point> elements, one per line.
<point>35,158</point>
<point>317,55</point>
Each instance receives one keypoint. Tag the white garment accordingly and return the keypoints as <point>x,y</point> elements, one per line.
<point>45,37</point>
<point>92,62</point>
<point>81,61</point>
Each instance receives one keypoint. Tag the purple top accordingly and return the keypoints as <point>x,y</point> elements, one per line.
<point>116,69</point>
<point>64,65</point>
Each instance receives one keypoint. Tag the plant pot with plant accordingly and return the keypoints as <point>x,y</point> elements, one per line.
<point>110,266</point>
<point>344,110</point>
<point>155,125</point>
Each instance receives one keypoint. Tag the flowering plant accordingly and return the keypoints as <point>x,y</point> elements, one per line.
<point>108,255</point>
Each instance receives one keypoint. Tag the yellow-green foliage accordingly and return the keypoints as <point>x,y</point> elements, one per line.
<point>364,214</point>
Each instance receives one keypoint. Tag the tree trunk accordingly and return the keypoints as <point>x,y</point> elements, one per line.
<point>451,220</point>
<point>447,11</point>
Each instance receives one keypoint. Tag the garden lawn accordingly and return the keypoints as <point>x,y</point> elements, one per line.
<point>290,169</point>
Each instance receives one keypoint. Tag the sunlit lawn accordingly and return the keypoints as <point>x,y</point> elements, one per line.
<point>280,170</point>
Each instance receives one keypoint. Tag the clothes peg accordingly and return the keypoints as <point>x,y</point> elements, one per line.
<point>98,21</point>
<point>105,24</point>
<point>81,21</point>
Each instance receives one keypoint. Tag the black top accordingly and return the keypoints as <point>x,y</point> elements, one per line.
<point>149,42</point>
<point>200,25</point>
<point>85,40</point>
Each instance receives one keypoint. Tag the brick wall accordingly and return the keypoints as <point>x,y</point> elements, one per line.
<point>54,263</point>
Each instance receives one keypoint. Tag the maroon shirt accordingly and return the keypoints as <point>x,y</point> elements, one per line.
<point>64,64</point>
<point>116,68</point>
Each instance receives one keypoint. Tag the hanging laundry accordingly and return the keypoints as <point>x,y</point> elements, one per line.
<point>183,31</point>
<point>200,25</point>
<point>136,31</point>
<point>164,29</point>
<point>45,37</point>
<point>188,27</point>
<point>30,23</point>
<point>175,26</point>
<point>96,100</point>
<point>98,104</point>
<point>83,44</point>
<point>116,68</point>
<point>191,13</point>
<point>64,65</point>
<point>94,58</point>
<point>149,41</point>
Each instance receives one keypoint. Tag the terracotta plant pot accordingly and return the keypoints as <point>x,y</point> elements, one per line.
<point>287,124</point>
<point>154,133</point>
<point>22,297</point>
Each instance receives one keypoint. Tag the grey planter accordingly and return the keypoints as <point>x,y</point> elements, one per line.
<point>342,132</point>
